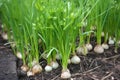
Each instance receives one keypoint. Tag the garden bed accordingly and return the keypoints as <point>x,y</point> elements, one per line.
<point>60,39</point>
<point>104,66</point>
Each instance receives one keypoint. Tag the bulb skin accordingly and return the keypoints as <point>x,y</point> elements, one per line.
<point>24,68</point>
<point>4,36</point>
<point>105,46</point>
<point>48,68</point>
<point>75,59</point>
<point>19,55</point>
<point>36,69</point>
<point>30,73</point>
<point>65,74</point>
<point>98,49</point>
<point>82,50</point>
<point>89,46</point>
<point>54,64</point>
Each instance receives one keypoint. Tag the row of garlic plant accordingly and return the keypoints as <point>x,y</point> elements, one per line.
<point>24,24</point>
<point>99,20</point>
<point>61,21</point>
<point>110,23</point>
<point>96,19</point>
<point>22,33</point>
<point>54,26</point>
<point>47,33</point>
<point>113,20</point>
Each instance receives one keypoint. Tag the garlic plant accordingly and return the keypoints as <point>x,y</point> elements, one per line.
<point>47,33</point>
<point>101,13</point>
<point>115,15</point>
<point>88,32</point>
<point>20,26</point>
<point>82,49</point>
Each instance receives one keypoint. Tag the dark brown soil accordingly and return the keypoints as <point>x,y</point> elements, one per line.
<point>94,66</point>
<point>7,63</point>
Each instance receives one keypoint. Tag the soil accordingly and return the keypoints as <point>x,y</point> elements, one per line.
<point>7,63</point>
<point>94,66</point>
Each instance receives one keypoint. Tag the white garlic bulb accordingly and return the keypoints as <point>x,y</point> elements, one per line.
<point>30,73</point>
<point>54,64</point>
<point>19,55</point>
<point>89,46</point>
<point>24,68</point>
<point>98,49</point>
<point>65,74</point>
<point>36,69</point>
<point>105,46</point>
<point>5,36</point>
<point>75,59</point>
<point>48,68</point>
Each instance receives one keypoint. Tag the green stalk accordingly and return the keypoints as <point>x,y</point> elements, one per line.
<point>82,39</point>
<point>100,15</point>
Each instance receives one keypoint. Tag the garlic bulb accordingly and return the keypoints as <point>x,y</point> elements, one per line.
<point>65,74</point>
<point>30,73</point>
<point>111,41</point>
<point>19,55</point>
<point>82,50</point>
<point>98,49</point>
<point>36,69</point>
<point>75,59</point>
<point>24,68</point>
<point>105,46</point>
<point>79,50</point>
<point>89,46</point>
<point>5,36</point>
<point>54,64</point>
<point>48,68</point>
<point>85,50</point>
